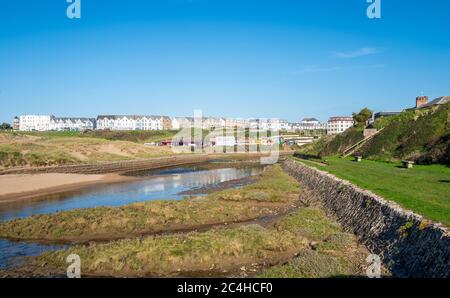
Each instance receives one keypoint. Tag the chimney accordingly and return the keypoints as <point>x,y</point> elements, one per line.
<point>421,101</point>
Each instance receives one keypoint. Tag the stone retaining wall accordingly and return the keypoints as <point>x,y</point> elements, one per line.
<point>408,245</point>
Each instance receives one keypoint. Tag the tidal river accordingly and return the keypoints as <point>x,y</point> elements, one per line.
<point>164,184</point>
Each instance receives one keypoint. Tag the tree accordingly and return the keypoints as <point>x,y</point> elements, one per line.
<point>362,117</point>
<point>5,126</point>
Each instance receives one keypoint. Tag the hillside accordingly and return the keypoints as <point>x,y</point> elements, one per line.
<point>137,136</point>
<point>44,150</point>
<point>419,135</point>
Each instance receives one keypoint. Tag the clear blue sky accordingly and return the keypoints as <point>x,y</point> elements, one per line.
<point>235,58</point>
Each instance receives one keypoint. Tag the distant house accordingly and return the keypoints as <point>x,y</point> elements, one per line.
<point>384,114</point>
<point>16,123</point>
<point>311,124</point>
<point>72,124</point>
<point>230,122</point>
<point>167,123</point>
<point>182,122</point>
<point>131,122</point>
<point>269,124</point>
<point>35,122</point>
<point>339,124</point>
<point>213,122</point>
<point>422,102</point>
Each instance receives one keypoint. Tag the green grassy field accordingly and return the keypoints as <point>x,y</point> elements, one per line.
<point>424,189</point>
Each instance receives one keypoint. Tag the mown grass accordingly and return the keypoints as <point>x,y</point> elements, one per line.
<point>223,252</point>
<point>225,206</point>
<point>424,189</point>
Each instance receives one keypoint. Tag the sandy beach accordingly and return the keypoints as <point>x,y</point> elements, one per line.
<point>28,186</point>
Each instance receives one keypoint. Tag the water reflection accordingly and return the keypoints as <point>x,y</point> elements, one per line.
<point>165,186</point>
<point>154,185</point>
<point>12,253</point>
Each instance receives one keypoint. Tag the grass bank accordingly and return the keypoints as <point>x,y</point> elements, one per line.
<point>17,149</point>
<point>136,136</point>
<point>424,189</point>
<point>273,193</point>
<point>332,253</point>
<point>422,135</point>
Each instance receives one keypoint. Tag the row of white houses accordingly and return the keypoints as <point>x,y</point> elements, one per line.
<point>50,122</point>
<point>150,122</point>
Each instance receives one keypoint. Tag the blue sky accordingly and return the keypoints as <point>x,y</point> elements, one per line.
<point>236,58</point>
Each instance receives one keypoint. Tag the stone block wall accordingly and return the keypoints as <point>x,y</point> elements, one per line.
<point>408,245</point>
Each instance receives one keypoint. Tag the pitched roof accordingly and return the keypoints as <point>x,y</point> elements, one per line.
<point>134,117</point>
<point>310,119</point>
<point>438,101</point>
<point>72,119</point>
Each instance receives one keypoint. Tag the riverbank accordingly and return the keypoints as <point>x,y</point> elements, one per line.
<point>304,243</point>
<point>267,229</point>
<point>21,184</point>
<point>140,164</point>
<point>275,193</point>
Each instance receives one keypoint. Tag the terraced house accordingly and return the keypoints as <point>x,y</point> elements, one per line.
<point>72,124</point>
<point>132,122</point>
<point>50,122</point>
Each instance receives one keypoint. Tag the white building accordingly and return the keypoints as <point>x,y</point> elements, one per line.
<point>214,122</point>
<point>16,123</point>
<point>269,124</point>
<point>50,122</point>
<point>307,124</point>
<point>240,123</point>
<point>205,122</point>
<point>130,122</point>
<point>72,124</point>
<point>35,122</point>
<point>182,122</point>
<point>339,124</point>
<point>312,124</point>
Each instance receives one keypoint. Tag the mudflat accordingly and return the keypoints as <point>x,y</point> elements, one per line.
<point>18,187</point>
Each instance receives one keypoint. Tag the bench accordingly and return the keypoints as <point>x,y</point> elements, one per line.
<point>408,164</point>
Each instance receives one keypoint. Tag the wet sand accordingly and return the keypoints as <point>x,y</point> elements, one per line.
<point>20,187</point>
